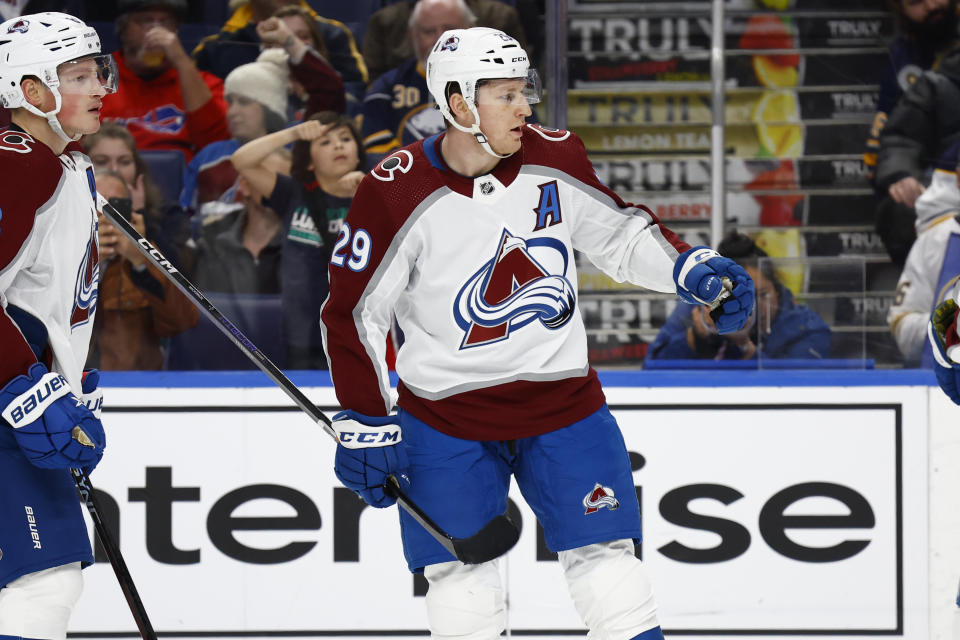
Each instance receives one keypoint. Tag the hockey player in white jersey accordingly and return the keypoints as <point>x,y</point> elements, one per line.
<point>52,78</point>
<point>468,238</point>
<point>943,333</point>
<point>932,266</point>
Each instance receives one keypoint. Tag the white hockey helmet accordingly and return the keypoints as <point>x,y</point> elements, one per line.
<point>467,56</point>
<point>36,45</point>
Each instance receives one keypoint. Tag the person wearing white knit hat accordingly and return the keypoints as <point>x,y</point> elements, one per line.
<point>256,96</point>
<point>264,82</point>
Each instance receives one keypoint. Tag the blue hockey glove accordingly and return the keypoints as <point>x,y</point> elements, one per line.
<point>52,426</point>
<point>942,333</point>
<point>369,449</point>
<point>699,274</point>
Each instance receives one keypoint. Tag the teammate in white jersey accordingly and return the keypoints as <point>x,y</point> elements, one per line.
<point>52,78</point>
<point>468,238</point>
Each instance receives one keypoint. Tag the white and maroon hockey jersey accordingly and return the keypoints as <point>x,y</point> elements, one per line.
<point>481,276</point>
<point>49,266</point>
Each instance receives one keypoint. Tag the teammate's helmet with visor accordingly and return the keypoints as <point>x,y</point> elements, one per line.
<point>467,56</point>
<point>42,45</point>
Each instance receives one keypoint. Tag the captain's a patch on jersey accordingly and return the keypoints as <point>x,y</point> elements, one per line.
<point>303,229</point>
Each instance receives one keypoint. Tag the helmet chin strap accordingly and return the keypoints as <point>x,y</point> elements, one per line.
<point>478,135</point>
<point>482,139</point>
<point>51,117</point>
<point>58,129</point>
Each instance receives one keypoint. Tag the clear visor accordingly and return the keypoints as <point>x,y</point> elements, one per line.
<point>510,91</point>
<point>88,76</point>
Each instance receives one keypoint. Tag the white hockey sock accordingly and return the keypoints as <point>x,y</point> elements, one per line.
<point>465,601</point>
<point>38,605</point>
<point>610,590</point>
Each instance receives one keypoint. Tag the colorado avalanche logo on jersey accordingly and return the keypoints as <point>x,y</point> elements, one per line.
<point>386,171</point>
<point>85,289</point>
<point>20,25</point>
<point>515,289</point>
<point>15,141</point>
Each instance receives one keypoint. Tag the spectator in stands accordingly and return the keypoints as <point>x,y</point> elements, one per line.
<point>256,95</point>
<point>314,85</point>
<point>113,149</point>
<point>387,41</point>
<point>778,328</point>
<point>239,42</point>
<point>327,169</point>
<point>137,305</point>
<point>163,99</point>
<point>13,9</point>
<point>239,251</point>
<point>398,109</point>
<point>925,30</point>
<point>932,264</point>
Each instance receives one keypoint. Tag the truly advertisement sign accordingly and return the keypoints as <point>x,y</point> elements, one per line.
<point>795,513</point>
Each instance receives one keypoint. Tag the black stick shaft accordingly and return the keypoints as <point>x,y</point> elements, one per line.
<point>112,550</point>
<point>258,357</point>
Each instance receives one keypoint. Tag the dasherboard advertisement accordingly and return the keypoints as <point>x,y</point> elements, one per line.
<point>766,512</point>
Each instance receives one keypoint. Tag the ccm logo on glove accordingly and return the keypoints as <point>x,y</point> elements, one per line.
<point>373,438</point>
<point>367,431</point>
<point>24,408</point>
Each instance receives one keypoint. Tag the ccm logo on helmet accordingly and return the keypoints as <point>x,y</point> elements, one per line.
<point>520,59</point>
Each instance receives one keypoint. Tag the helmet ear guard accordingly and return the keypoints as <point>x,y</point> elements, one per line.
<point>467,56</point>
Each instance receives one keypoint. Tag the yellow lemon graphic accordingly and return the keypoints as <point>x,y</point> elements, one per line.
<point>771,74</point>
<point>784,243</point>
<point>776,5</point>
<point>777,117</point>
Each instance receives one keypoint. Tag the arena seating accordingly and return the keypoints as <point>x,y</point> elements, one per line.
<point>166,169</point>
<point>801,93</point>
<point>205,347</point>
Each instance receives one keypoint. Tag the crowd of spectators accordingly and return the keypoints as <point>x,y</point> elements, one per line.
<point>276,115</point>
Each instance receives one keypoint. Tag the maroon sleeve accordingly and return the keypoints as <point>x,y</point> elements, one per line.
<point>323,84</point>
<point>39,171</point>
<point>355,376</point>
<point>209,123</point>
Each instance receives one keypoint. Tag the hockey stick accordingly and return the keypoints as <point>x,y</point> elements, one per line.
<point>495,538</point>
<point>113,554</point>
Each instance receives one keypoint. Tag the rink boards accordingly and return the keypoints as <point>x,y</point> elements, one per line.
<point>774,504</point>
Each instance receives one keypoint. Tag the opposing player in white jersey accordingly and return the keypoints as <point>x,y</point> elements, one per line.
<point>52,77</point>
<point>468,238</point>
<point>943,332</point>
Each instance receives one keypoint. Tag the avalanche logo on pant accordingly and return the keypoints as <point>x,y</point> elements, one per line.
<point>599,498</point>
<point>514,289</point>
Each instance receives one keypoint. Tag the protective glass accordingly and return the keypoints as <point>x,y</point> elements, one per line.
<point>87,76</point>
<point>511,91</point>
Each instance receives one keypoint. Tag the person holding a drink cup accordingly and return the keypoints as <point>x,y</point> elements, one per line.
<point>166,102</point>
